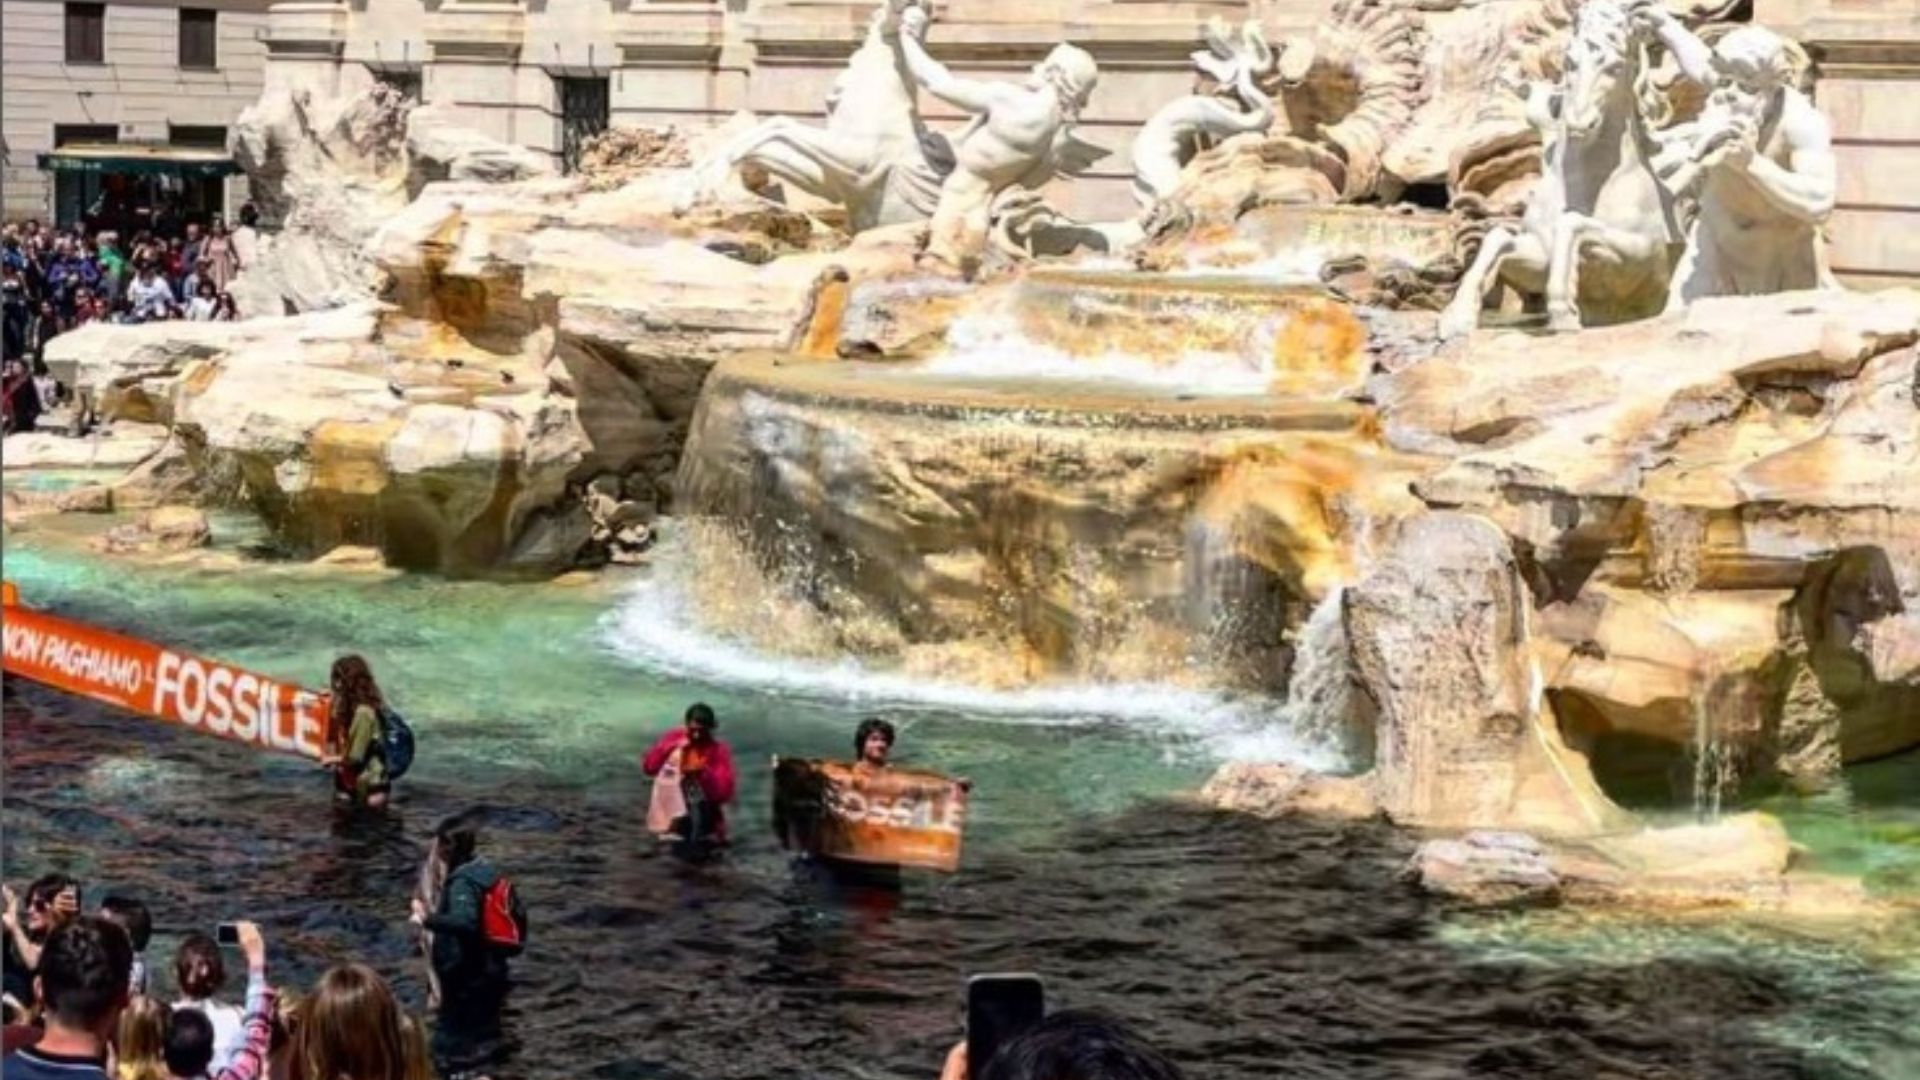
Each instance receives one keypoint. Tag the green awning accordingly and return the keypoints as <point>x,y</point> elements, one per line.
<point>127,159</point>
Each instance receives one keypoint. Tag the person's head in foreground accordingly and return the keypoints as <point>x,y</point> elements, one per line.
<point>82,984</point>
<point>350,1028</point>
<point>189,1045</point>
<point>1070,1045</point>
<point>198,968</point>
<point>141,1044</point>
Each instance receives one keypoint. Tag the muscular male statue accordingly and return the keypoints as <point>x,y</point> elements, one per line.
<point>1760,156</point>
<point>1017,135</point>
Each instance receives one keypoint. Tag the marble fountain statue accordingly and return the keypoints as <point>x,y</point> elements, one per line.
<point>1483,372</point>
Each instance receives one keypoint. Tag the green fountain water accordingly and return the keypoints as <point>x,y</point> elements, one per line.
<point>556,688</point>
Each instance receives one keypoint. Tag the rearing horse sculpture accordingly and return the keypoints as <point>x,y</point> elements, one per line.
<point>1602,234</point>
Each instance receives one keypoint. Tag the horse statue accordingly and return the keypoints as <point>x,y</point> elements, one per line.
<point>1602,233</point>
<point>875,156</point>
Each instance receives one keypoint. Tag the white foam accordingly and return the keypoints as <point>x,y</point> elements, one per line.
<point>992,346</point>
<point>651,627</point>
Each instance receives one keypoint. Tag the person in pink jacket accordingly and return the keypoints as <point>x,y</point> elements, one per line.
<point>693,781</point>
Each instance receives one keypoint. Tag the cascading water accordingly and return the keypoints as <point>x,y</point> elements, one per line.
<point>706,611</point>
<point>1713,770</point>
<point>1325,709</point>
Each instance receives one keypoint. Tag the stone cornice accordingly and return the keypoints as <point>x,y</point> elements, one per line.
<point>1855,42</point>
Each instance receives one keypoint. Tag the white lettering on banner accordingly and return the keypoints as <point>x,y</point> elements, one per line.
<point>165,676</point>
<point>220,717</point>
<point>246,705</point>
<point>22,642</point>
<point>307,720</point>
<point>906,810</point>
<point>191,695</point>
<point>78,660</point>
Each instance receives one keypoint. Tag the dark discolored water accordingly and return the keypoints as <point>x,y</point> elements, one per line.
<point>1246,950</point>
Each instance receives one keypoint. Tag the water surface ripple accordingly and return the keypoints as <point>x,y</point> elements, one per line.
<point>1245,949</point>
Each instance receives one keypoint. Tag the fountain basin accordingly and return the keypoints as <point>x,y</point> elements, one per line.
<point>1011,530</point>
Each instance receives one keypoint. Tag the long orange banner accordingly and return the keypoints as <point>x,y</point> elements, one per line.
<point>141,677</point>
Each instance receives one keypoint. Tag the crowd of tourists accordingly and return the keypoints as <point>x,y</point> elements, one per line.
<point>81,1003</point>
<point>55,280</point>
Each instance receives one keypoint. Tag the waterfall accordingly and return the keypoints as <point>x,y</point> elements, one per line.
<point>1712,767</point>
<point>1324,708</point>
<point>705,611</point>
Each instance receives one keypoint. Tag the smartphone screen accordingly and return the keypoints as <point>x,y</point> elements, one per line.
<point>227,933</point>
<point>999,1008</point>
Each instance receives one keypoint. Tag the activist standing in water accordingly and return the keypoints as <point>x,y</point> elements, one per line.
<point>354,734</point>
<point>693,781</point>
<point>873,748</point>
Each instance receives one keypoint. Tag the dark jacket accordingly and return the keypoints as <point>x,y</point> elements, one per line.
<point>464,961</point>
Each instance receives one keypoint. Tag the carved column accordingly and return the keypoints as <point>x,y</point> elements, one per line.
<point>305,40</point>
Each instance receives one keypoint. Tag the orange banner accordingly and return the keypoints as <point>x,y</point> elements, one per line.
<point>891,817</point>
<point>141,677</point>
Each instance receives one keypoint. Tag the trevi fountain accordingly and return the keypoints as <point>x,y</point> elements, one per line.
<point>1433,589</point>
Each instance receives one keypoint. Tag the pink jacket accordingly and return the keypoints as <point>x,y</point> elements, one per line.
<point>716,780</point>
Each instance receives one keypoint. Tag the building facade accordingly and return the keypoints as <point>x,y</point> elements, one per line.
<point>161,81</point>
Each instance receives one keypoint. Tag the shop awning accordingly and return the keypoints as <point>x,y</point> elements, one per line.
<point>121,158</point>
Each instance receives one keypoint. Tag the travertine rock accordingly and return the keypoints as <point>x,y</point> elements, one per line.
<point>160,531</point>
<point>1487,869</point>
<point>1719,510</point>
<point>1272,791</point>
<point>117,446</point>
<point>620,155</point>
<point>439,148</point>
<point>1462,739</point>
<point>326,173</point>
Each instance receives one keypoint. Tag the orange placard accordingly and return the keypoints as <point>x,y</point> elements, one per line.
<point>890,816</point>
<point>139,676</point>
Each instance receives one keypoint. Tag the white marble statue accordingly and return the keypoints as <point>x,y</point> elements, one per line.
<point>1601,233</point>
<point>1021,136</point>
<point>1185,126</point>
<point>874,157</point>
<point>1759,162</point>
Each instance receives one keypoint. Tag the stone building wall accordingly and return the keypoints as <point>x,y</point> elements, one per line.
<point>1867,55</point>
<point>140,91</point>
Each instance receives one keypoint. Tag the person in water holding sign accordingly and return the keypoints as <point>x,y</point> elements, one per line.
<point>693,781</point>
<point>368,745</point>
<point>873,749</point>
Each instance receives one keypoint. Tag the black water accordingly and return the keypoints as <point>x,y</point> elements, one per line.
<point>1246,950</point>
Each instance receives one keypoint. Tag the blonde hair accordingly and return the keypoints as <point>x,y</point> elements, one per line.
<point>140,1043</point>
<point>350,1028</point>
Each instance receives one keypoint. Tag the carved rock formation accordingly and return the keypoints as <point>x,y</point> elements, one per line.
<point>326,173</point>
<point>1718,510</point>
<point>439,148</point>
<point>1462,739</point>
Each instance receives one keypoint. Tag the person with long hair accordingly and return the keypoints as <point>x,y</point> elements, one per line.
<point>140,1044</point>
<point>469,970</point>
<point>419,1050</point>
<point>354,734</point>
<point>219,262</point>
<point>350,1029</point>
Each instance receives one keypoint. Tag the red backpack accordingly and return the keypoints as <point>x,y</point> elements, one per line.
<point>503,920</point>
